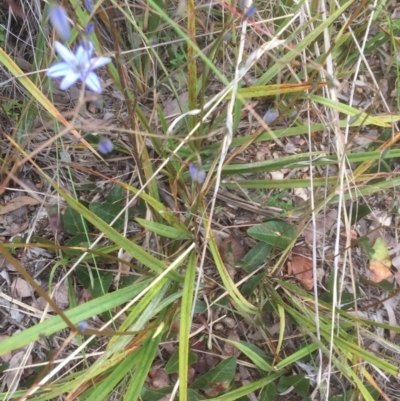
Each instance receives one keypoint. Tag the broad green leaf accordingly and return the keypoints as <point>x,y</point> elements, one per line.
<point>299,382</point>
<point>384,285</point>
<point>98,284</point>
<point>172,365</point>
<point>381,251</point>
<point>194,395</point>
<point>346,299</point>
<point>365,244</point>
<point>255,257</point>
<point>222,373</point>
<point>200,307</point>
<point>135,250</point>
<point>275,232</point>
<point>154,395</point>
<point>163,230</point>
<point>268,392</point>
<point>358,212</point>
<point>4,366</point>
<point>250,285</point>
<point>108,212</point>
<point>116,194</point>
<point>349,395</point>
<point>78,240</point>
<point>73,222</point>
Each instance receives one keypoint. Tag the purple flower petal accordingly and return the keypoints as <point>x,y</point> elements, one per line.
<point>92,81</point>
<point>197,174</point>
<point>78,65</point>
<point>58,70</point>
<point>89,28</point>
<point>59,19</point>
<point>270,116</point>
<point>82,326</point>
<point>105,146</point>
<point>88,45</point>
<point>81,55</point>
<point>89,6</point>
<point>69,80</point>
<point>228,36</point>
<point>65,53</point>
<point>99,62</point>
<point>84,53</point>
<point>250,11</point>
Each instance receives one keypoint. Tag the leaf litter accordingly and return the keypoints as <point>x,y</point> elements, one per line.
<point>276,236</point>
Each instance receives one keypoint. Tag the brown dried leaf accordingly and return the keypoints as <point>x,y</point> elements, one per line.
<point>301,250</point>
<point>12,378</point>
<point>380,263</point>
<point>21,288</point>
<point>41,304</point>
<point>380,270</point>
<point>230,349</point>
<point>10,267</point>
<point>205,363</point>
<point>16,203</point>
<point>61,295</point>
<point>191,374</point>
<point>231,251</point>
<point>323,225</point>
<point>301,268</point>
<point>123,268</point>
<point>159,378</point>
<point>217,389</point>
<point>85,296</point>
<point>172,108</point>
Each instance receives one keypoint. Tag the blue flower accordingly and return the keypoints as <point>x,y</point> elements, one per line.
<point>228,36</point>
<point>82,326</point>
<point>197,174</point>
<point>250,11</point>
<point>89,28</point>
<point>105,146</point>
<point>89,6</point>
<point>59,19</point>
<point>78,66</point>
<point>270,116</point>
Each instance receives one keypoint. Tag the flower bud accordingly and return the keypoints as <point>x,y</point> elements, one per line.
<point>105,146</point>
<point>197,174</point>
<point>89,5</point>
<point>59,19</point>
<point>270,116</point>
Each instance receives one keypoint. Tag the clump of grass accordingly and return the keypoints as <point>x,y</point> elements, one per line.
<point>267,106</point>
